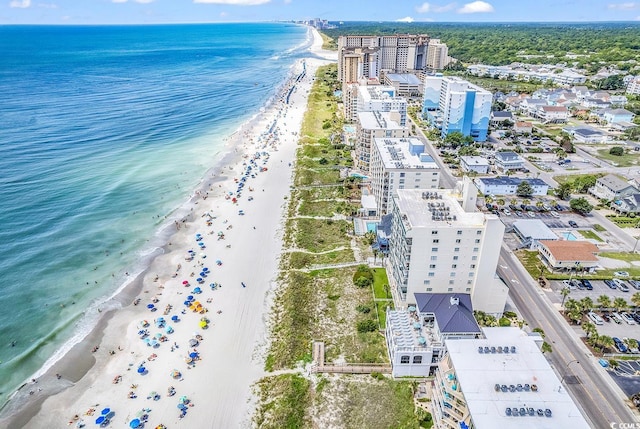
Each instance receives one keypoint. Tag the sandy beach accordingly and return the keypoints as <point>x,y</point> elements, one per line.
<point>191,337</point>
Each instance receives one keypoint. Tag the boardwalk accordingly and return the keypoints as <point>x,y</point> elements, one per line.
<point>347,368</point>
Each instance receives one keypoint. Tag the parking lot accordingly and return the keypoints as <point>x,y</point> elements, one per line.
<point>609,328</point>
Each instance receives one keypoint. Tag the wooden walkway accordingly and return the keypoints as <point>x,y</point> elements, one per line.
<point>347,368</point>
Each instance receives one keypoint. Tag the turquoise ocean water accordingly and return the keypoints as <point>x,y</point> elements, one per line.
<point>104,133</point>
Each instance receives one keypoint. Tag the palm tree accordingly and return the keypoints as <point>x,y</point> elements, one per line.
<point>526,202</point>
<point>606,342</point>
<point>589,329</point>
<point>500,202</point>
<point>514,201</point>
<point>635,299</point>
<point>586,303</point>
<point>564,292</point>
<point>620,304</point>
<point>630,343</point>
<point>604,301</point>
<point>593,339</point>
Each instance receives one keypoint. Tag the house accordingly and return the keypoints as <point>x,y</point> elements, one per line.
<point>529,106</point>
<point>587,134</point>
<point>627,204</point>
<point>508,185</point>
<point>612,116</point>
<point>500,117</point>
<point>596,103</point>
<point>523,127</point>
<point>581,91</point>
<point>477,164</point>
<point>619,100</point>
<point>506,161</point>
<point>501,380</point>
<point>415,337</point>
<point>551,114</point>
<point>611,187</point>
<point>531,231</point>
<point>569,255</point>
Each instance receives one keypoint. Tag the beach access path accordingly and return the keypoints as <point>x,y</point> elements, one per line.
<point>213,386</point>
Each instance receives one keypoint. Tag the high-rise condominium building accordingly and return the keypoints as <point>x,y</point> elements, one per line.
<point>372,125</point>
<point>364,56</point>
<point>437,55</point>
<point>453,104</point>
<point>440,243</point>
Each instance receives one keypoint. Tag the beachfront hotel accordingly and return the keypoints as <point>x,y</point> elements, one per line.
<point>441,243</point>
<point>372,125</point>
<point>437,55</point>
<point>453,104</point>
<point>400,163</point>
<point>364,56</point>
<point>500,381</point>
<point>415,336</point>
<point>370,98</point>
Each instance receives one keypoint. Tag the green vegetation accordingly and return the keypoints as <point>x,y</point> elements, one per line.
<point>599,227</point>
<point>363,276</point>
<point>328,43</point>
<point>590,235</point>
<point>624,221</point>
<point>626,160</point>
<point>381,284</point>
<point>284,400</point>
<point>580,205</point>
<point>622,256</point>
<point>579,183</point>
<point>616,151</point>
<point>504,43</point>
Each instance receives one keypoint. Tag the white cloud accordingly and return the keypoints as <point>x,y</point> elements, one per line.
<point>428,7</point>
<point>234,2</point>
<point>405,19</point>
<point>622,6</point>
<point>476,7</point>
<point>22,4</point>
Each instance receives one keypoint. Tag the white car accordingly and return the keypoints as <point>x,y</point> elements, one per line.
<point>506,212</point>
<point>555,214</point>
<point>531,214</point>
<point>621,274</point>
<point>627,318</point>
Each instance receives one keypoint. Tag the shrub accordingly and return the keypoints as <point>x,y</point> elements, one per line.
<point>504,322</point>
<point>363,276</point>
<point>363,309</point>
<point>377,375</point>
<point>616,150</point>
<point>510,314</point>
<point>367,326</point>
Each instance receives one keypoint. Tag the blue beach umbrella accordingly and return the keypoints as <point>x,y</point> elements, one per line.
<point>142,370</point>
<point>189,297</point>
<point>150,305</point>
<point>99,420</point>
<point>193,355</point>
<point>197,290</point>
<point>175,318</point>
<point>182,406</point>
<point>205,269</point>
<point>105,411</point>
<point>134,423</point>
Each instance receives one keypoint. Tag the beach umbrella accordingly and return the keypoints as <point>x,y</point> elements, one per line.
<point>150,306</point>
<point>142,370</point>
<point>199,279</point>
<point>203,274</point>
<point>176,374</point>
<point>184,400</point>
<point>134,423</point>
<point>205,269</point>
<point>105,411</point>
<point>197,290</point>
<point>203,324</point>
<point>193,342</point>
<point>169,330</point>
<point>185,282</point>
<point>193,355</point>
<point>202,255</point>
<point>187,303</point>
<point>99,420</point>
<point>190,297</point>
<point>175,318</point>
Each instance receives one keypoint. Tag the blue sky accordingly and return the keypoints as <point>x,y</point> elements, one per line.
<point>176,11</point>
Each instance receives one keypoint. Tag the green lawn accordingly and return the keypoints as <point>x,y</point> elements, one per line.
<point>626,160</point>
<point>380,279</point>
<point>588,234</point>
<point>622,256</point>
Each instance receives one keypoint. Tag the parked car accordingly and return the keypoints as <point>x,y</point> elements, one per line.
<point>576,283</point>
<point>634,283</point>
<point>621,274</point>
<point>568,284</point>
<point>587,284</point>
<point>636,317</point>
<point>622,348</point>
<point>518,213</point>
<point>606,317</point>
<point>555,214</point>
<point>595,318</point>
<point>617,318</point>
<point>531,214</point>
<point>627,318</point>
<point>573,224</point>
<point>506,212</point>
<point>513,207</point>
<point>611,284</point>
<point>620,284</point>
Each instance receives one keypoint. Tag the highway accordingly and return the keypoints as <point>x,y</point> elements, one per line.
<point>600,400</point>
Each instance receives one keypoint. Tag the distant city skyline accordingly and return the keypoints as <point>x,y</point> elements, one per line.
<point>184,11</point>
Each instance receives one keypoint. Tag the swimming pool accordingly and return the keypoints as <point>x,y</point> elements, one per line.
<point>349,128</point>
<point>569,236</point>
<point>372,226</point>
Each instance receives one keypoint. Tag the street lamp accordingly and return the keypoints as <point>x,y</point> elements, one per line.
<point>566,368</point>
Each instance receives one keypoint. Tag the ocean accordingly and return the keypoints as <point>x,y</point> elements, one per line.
<point>105,132</point>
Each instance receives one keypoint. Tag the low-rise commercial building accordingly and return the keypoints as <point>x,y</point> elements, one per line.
<point>508,161</point>
<point>406,84</point>
<point>567,255</point>
<point>532,231</point>
<point>508,185</point>
<point>476,164</point>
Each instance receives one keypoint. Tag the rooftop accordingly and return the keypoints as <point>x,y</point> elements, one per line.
<point>475,160</point>
<point>613,182</point>
<point>479,373</point>
<point>535,229</point>
<point>377,92</point>
<point>566,250</point>
<point>407,78</point>
<point>508,156</point>
<point>378,120</point>
<point>397,153</point>
<point>407,332</point>
<point>501,114</point>
<point>509,181</point>
<point>453,311</point>
<point>426,209</point>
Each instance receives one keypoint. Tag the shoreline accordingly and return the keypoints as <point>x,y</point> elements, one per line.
<point>83,373</point>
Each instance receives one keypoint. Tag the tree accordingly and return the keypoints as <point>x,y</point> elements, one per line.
<point>605,341</point>
<point>563,191</point>
<point>589,328</point>
<point>604,301</point>
<point>630,343</point>
<point>635,299</point>
<point>367,325</point>
<point>580,205</point>
<point>546,347</point>
<point>456,138</point>
<point>565,291</point>
<point>524,189</point>
<point>616,151</point>
<point>467,151</point>
<point>586,304</point>
<point>582,184</point>
<point>619,304</point>
<point>500,202</point>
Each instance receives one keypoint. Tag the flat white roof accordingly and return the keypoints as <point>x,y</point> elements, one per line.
<point>535,229</point>
<point>395,154</point>
<point>368,202</point>
<point>414,204</point>
<point>377,120</point>
<point>478,373</point>
<point>475,160</point>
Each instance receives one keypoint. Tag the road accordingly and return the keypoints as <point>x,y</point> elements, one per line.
<point>593,390</point>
